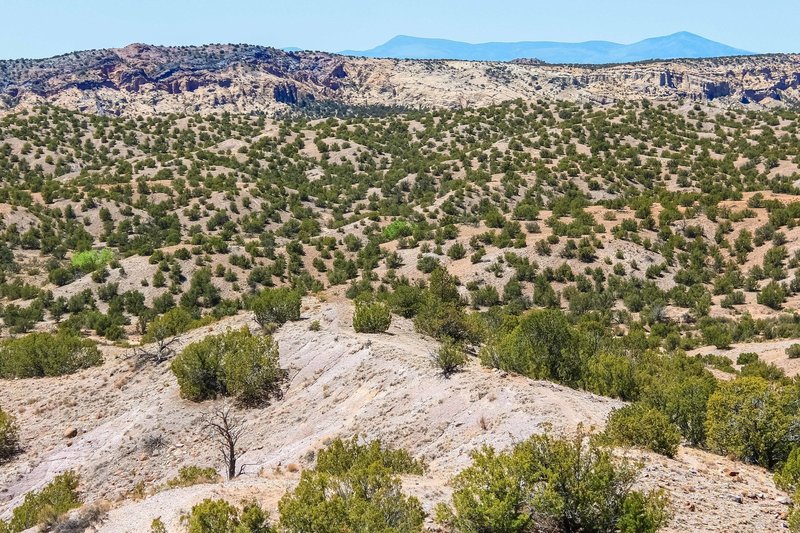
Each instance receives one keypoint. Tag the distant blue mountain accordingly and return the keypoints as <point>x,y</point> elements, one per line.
<point>678,45</point>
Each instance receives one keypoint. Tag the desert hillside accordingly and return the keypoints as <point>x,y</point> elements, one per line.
<point>379,386</point>
<point>305,292</point>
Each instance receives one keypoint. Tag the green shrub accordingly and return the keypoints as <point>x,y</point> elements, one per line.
<point>342,456</point>
<point>611,375</point>
<point>46,354</point>
<point>720,362</point>
<point>427,264</point>
<point>276,306</point>
<point>397,229</point>
<point>544,345</point>
<point>753,420</point>
<point>486,296</point>
<point>793,351</point>
<point>353,488</point>
<point>406,300</point>
<point>90,260</point>
<point>450,357</point>
<point>562,485</point>
<point>9,436</point>
<point>678,386</point>
<point>236,363</point>
<point>372,317</point>
<point>48,504</point>
<point>219,516</point>
<point>174,322</point>
<point>794,517</point>
<point>717,335</point>
<point>787,477</point>
<point>443,319</point>
<point>158,526</point>
<point>772,295</point>
<point>746,358</point>
<point>645,427</point>
<point>457,251</point>
<point>61,276</point>
<point>193,475</point>
<point>202,292</point>
<point>642,513</point>
<point>762,369</point>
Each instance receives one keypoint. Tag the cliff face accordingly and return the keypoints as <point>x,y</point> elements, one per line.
<point>142,79</point>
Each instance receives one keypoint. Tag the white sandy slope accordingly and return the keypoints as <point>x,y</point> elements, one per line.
<point>342,384</point>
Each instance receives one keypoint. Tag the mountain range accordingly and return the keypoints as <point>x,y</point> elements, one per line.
<point>677,45</point>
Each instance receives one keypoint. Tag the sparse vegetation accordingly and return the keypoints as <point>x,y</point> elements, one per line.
<point>605,242</point>
<point>450,357</point>
<point>193,475</point>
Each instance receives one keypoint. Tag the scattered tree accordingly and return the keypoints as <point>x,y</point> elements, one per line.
<point>275,306</point>
<point>643,426</point>
<point>225,429</point>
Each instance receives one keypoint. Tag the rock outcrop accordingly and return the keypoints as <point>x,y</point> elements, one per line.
<point>143,79</point>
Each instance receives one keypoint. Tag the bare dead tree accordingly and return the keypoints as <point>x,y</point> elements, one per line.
<point>158,353</point>
<point>224,427</point>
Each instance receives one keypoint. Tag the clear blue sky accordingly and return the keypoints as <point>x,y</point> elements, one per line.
<point>40,28</point>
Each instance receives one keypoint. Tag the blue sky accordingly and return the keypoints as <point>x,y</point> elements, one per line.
<point>40,28</point>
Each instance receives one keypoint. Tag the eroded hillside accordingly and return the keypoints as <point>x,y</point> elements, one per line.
<point>146,80</point>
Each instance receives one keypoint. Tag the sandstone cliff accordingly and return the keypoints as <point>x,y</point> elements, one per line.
<point>142,79</point>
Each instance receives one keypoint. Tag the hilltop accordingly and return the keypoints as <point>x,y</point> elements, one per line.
<point>146,80</point>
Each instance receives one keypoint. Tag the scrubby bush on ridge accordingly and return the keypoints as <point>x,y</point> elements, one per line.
<point>563,485</point>
<point>354,487</point>
<point>371,317</point>
<point>219,516</point>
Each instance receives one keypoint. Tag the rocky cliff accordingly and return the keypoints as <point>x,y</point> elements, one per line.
<point>142,79</point>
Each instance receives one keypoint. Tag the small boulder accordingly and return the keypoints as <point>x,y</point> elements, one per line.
<point>70,432</point>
